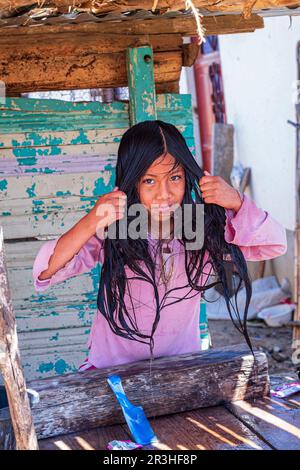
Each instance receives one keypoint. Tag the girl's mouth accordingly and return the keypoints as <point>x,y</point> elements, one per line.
<point>163,208</point>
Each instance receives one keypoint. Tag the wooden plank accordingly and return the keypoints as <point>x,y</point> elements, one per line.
<point>231,24</point>
<point>31,115</point>
<point>52,363</point>
<point>184,25</point>
<point>47,138</point>
<point>10,365</point>
<point>212,428</point>
<point>36,206</point>
<point>53,326</point>
<point>65,43</point>
<point>94,439</point>
<point>279,427</point>
<point>177,383</point>
<point>140,75</point>
<point>222,150</point>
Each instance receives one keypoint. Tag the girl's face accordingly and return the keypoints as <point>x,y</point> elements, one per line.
<point>161,188</point>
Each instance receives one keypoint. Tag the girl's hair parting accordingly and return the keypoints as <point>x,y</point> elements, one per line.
<point>140,146</point>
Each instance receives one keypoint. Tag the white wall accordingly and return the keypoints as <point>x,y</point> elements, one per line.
<point>259,73</point>
<point>186,86</point>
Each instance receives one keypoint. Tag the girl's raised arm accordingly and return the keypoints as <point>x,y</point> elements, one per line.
<point>78,250</point>
<point>259,236</point>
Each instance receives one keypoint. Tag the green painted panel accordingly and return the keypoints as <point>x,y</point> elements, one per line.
<point>140,75</point>
<point>170,108</point>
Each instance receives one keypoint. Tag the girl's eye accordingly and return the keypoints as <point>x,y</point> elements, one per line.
<point>176,177</point>
<point>148,181</point>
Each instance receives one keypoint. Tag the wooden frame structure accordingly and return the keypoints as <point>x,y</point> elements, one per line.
<point>69,56</point>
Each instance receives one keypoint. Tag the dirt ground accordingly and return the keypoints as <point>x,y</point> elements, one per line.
<point>275,342</point>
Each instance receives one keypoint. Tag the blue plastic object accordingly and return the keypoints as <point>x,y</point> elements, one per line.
<point>135,417</point>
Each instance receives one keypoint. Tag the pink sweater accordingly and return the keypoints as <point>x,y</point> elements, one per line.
<point>259,236</point>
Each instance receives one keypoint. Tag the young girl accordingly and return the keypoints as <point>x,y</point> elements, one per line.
<point>150,287</point>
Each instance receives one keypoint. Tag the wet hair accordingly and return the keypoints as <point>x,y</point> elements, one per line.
<point>140,146</point>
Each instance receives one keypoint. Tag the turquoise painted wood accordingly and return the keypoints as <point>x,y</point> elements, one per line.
<point>140,75</point>
<point>55,157</point>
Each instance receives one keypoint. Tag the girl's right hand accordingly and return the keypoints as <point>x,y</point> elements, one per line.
<point>109,208</point>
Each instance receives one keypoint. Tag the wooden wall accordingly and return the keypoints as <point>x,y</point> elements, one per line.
<point>54,157</point>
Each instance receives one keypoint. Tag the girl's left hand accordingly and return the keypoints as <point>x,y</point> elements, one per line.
<point>215,190</point>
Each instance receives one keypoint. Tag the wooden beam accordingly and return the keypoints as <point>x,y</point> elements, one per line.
<point>10,366</point>
<point>81,56</point>
<point>66,62</point>
<point>84,400</point>
<point>140,76</point>
<point>163,5</point>
<point>190,54</point>
<point>167,87</point>
<point>183,25</point>
<point>231,24</point>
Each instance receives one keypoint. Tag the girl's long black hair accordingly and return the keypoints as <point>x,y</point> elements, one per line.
<point>140,146</point>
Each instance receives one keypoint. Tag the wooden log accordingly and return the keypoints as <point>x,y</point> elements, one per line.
<point>130,5</point>
<point>168,87</point>
<point>10,366</point>
<point>78,43</point>
<point>190,54</point>
<point>84,400</point>
<point>60,64</point>
<point>183,26</point>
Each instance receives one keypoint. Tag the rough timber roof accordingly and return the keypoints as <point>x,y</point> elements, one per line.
<point>38,12</point>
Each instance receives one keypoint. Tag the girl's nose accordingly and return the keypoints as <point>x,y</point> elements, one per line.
<point>164,192</point>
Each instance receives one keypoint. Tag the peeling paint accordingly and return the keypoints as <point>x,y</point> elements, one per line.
<point>30,191</point>
<point>61,367</point>
<point>45,367</point>
<point>63,193</point>
<point>55,337</point>
<point>3,185</point>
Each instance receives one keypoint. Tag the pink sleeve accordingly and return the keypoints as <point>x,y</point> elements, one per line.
<point>87,257</point>
<point>258,235</point>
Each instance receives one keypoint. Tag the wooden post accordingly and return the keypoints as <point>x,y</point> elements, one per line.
<point>296,329</point>
<point>140,75</point>
<point>10,366</point>
<point>223,150</point>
